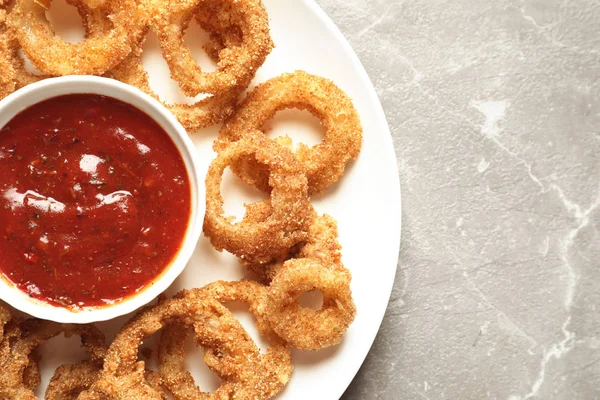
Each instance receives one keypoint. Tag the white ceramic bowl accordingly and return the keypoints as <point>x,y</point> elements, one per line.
<point>35,93</point>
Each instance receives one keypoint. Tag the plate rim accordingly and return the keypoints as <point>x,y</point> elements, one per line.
<point>396,212</point>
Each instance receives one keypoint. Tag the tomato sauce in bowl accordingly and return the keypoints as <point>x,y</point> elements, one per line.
<point>95,200</point>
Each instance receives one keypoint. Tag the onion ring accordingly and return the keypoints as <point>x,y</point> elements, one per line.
<point>216,329</point>
<point>262,242</point>
<point>193,117</point>
<point>94,23</point>
<point>272,370</point>
<point>237,65</point>
<point>31,374</point>
<point>324,163</point>
<point>11,334</point>
<point>206,112</point>
<point>94,56</point>
<point>33,333</point>
<point>305,328</point>
<point>69,381</point>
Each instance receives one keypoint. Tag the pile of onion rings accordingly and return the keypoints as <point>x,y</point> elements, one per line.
<point>115,31</point>
<point>285,245</point>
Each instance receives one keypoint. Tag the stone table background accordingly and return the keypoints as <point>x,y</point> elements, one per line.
<point>495,112</point>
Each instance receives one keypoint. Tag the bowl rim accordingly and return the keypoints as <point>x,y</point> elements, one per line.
<point>83,84</point>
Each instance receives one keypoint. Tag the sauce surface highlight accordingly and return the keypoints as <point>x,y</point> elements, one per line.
<point>94,200</point>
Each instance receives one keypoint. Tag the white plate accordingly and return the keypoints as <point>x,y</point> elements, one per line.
<point>366,202</point>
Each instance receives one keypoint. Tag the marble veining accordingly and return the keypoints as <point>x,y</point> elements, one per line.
<point>494,109</point>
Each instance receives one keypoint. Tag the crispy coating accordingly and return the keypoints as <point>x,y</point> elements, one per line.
<point>94,56</point>
<point>7,83</point>
<point>7,77</point>
<point>16,353</point>
<point>11,334</point>
<point>237,64</point>
<point>223,32</point>
<point>324,163</point>
<point>269,373</point>
<point>321,244</point>
<point>291,212</point>
<point>32,376</point>
<point>305,328</point>
<point>70,380</point>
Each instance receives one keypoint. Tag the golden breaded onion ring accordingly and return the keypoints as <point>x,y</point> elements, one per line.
<point>206,112</point>
<point>216,330</point>
<point>324,163</point>
<point>94,56</point>
<point>291,212</point>
<point>272,370</point>
<point>237,65</point>
<point>10,332</point>
<point>17,75</point>
<point>305,328</point>
<point>71,379</point>
<point>34,332</point>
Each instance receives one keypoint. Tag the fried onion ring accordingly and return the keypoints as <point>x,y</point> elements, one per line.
<point>17,75</point>
<point>94,56</point>
<point>271,371</point>
<point>69,381</point>
<point>237,65</point>
<point>291,211</point>
<point>217,330</point>
<point>219,104</point>
<point>324,163</point>
<point>33,333</point>
<point>305,328</point>
<point>193,117</point>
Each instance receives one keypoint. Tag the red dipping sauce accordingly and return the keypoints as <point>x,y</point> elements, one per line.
<point>94,200</point>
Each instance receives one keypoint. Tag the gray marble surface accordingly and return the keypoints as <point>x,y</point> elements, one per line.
<point>494,107</point>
